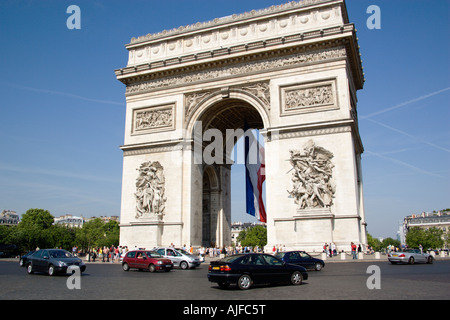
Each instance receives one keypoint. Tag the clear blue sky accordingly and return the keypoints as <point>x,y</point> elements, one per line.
<point>62,111</point>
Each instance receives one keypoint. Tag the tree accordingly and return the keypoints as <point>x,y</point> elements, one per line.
<point>34,229</point>
<point>374,242</point>
<point>96,233</point>
<point>430,238</point>
<point>389,241</point>
<point>90,235</point>
<point>39,218</point>
<point>254,236</point>
<point>112,232</point>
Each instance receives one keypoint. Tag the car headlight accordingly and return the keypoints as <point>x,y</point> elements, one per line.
<point>160,262</point>
<point>62,264</point>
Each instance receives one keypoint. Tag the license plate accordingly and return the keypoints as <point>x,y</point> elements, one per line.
<point>216,268</point>
<point>395,255</point>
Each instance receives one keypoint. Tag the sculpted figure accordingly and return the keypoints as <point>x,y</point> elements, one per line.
<point>312,177</point>
<point>150,188</point>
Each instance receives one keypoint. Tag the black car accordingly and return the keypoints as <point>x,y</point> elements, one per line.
<point>248,269</point>
<point>24,259</point>
<point>53,261</point>
<point>301,258</point>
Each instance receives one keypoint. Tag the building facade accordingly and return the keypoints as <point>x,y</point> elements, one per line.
<point>9,218</point>
<point>291,71</point>
<point>70,221</point>
<point>439,220</point>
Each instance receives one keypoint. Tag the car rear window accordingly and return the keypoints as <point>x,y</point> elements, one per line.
<point>231,258</point>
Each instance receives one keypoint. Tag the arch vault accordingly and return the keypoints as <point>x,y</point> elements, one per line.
<point>292,71</point>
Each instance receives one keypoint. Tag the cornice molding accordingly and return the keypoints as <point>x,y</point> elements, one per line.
<point>235,18</point>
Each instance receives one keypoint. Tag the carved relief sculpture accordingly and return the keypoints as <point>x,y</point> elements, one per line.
<point>309,97</point>
<point>150,190</point>
<point>312,177</point>
<point>262,91</point>
<point>153,118</point>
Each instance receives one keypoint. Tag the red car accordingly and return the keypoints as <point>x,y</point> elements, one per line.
<point>143,259</point>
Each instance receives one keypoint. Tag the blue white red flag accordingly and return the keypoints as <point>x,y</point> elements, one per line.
<point>255,176</point>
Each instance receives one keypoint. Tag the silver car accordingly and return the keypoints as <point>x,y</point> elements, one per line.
<point>179,257</point>
<point>410,256</point>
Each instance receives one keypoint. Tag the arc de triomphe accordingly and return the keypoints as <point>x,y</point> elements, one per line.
<point>292,71</point>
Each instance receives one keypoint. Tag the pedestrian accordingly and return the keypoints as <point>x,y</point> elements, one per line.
<point>111,252</point>
<point>354,250</point>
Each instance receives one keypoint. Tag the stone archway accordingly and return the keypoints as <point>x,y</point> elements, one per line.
<point>292,71</point>
<point>227,116</point>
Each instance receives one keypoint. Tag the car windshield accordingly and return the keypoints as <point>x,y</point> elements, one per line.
<point>60,254</point>
<point>184,252</point>
<point>153,254</point>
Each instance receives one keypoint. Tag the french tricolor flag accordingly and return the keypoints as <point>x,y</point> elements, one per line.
<point>255,176</point>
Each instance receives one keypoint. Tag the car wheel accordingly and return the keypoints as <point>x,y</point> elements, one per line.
<point>430,260</point>
<point>125,266</point>
<point>151,268</point>
<point>21,262</point>
<point>296,278</point>
<point>51,270</point>
<point>411,260</point>
<point>244,282</point>
<point>318,266</point>
<point>184,265</point>
<point>30,269</point>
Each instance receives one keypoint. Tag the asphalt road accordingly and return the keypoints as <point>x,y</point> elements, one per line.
<point>337,281</point>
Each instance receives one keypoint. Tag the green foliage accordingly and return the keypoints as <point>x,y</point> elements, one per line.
<point>389,241</point>
<point>37,218</point>
<point>36,229</point>
<point>374,243</point>
<point>254,236</point>
<point>430,238</point>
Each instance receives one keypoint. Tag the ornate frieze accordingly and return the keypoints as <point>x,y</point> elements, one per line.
<point>312,177</point>
<point>150,191</point>
<point>238,69</point>
<point>153,119</point>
